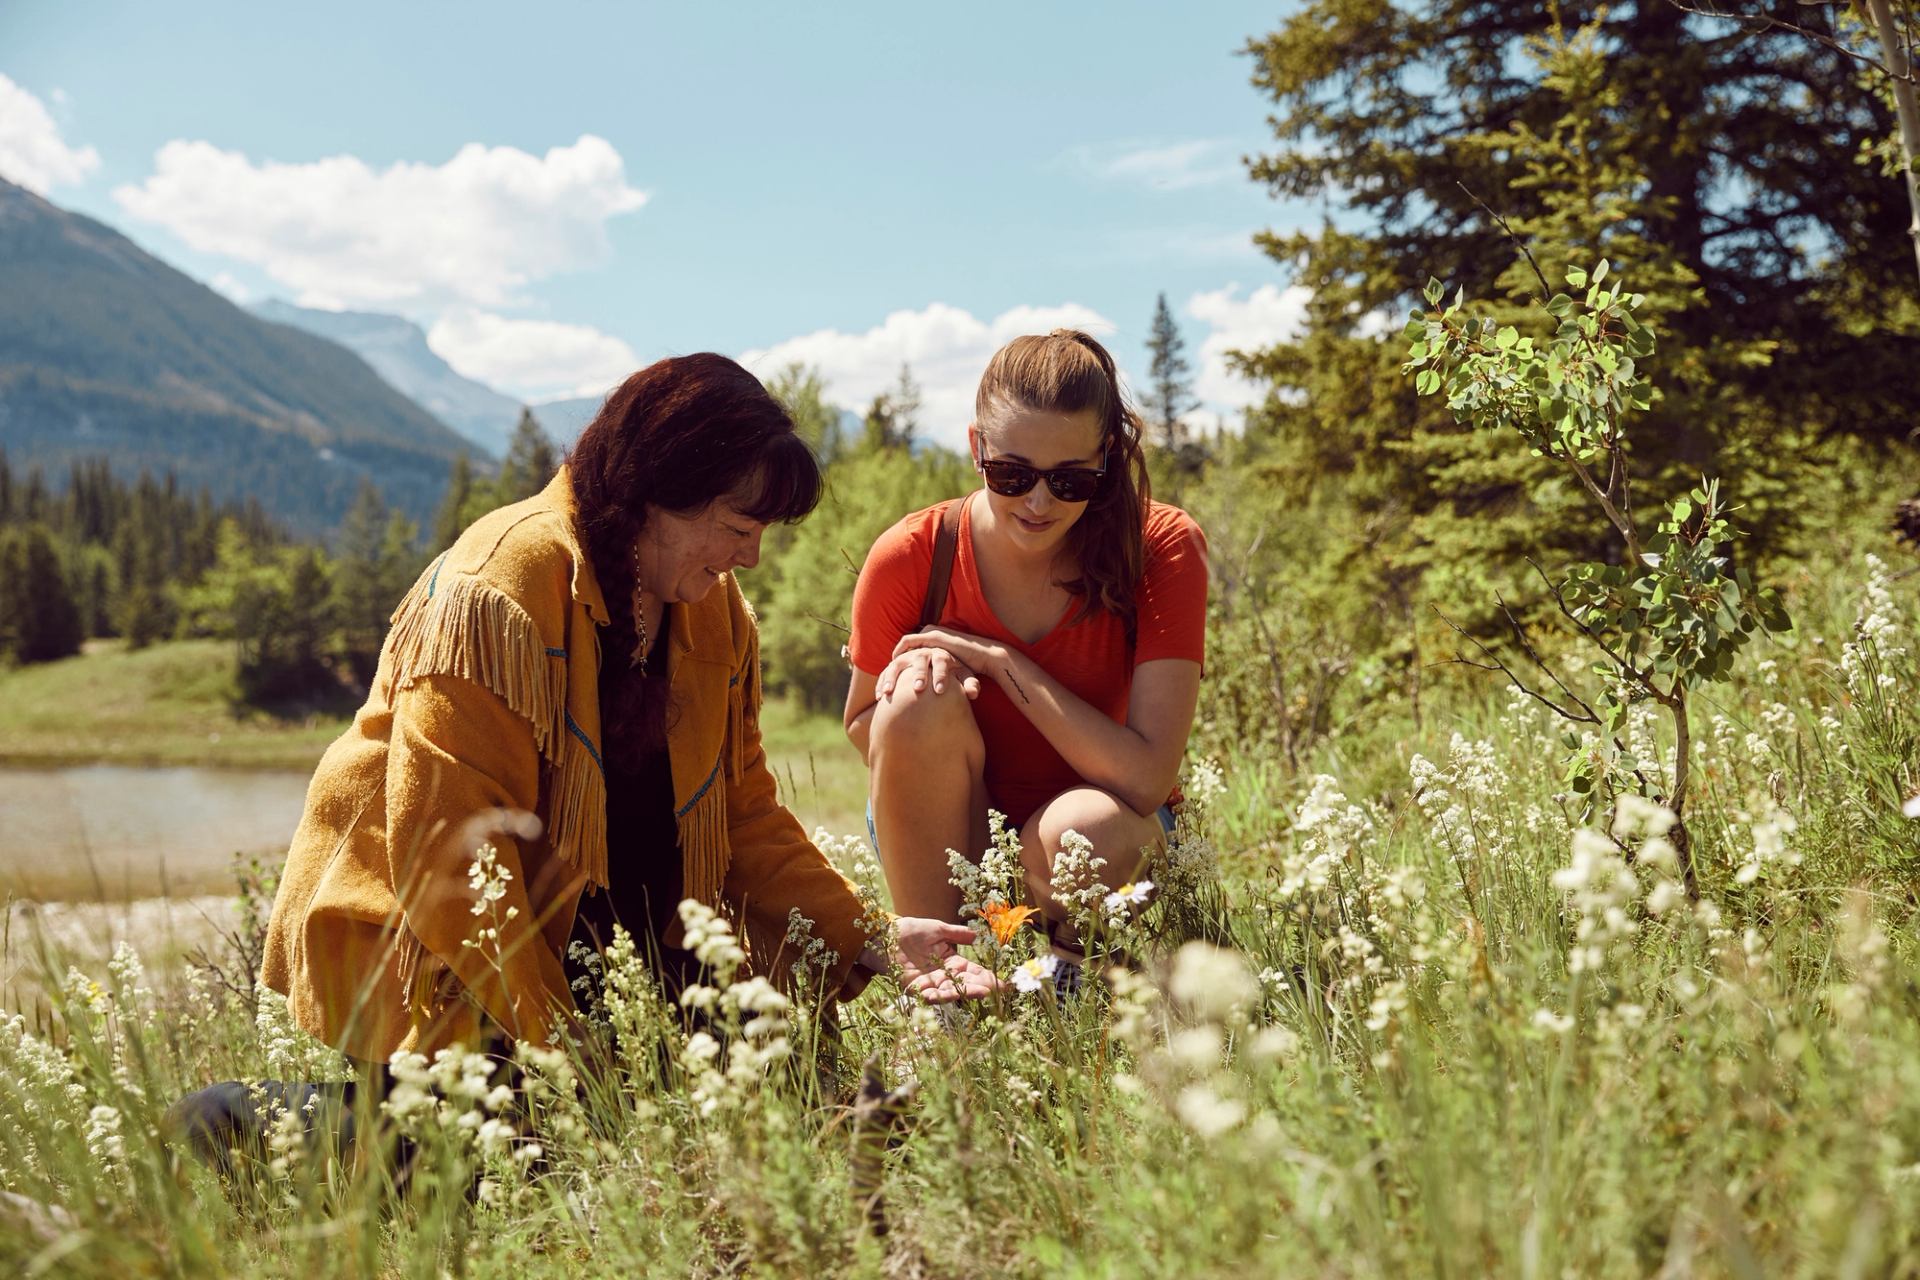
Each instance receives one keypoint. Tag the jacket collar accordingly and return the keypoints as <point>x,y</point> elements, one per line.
<point>558,495</point>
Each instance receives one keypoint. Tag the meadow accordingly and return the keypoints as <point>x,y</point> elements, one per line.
<point>1423,1015</point>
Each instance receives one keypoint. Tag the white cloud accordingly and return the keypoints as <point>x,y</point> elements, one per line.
<point>1198,162</point>
<point>339,233</point>
<point>32,152</point>
<point>531,359</point>
<point>947,347</point>
<point>1268,315</point>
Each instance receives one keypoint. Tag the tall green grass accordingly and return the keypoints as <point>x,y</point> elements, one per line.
<point>1414,1013</point>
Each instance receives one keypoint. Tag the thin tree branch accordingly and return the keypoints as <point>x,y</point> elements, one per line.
<point>1546,290</point>
<point>1760,22</point>
<point>1583,716</point>
<point>1526,645</point>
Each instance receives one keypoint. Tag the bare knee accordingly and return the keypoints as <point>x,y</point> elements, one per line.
<point>923,720</point>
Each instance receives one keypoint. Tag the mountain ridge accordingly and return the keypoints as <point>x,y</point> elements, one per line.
<point>107,349</point>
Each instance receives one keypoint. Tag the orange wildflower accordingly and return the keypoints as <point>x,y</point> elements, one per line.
<point>1005,920</point>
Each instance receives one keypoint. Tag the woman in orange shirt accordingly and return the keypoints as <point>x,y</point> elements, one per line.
<point>1059,684</point>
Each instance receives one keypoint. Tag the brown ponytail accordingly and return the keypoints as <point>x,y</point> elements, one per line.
<point>1067,371</point>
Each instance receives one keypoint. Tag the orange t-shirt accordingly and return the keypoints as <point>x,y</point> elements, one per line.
<point>1089,657</point>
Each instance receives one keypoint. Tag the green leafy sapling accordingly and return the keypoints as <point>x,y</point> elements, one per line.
<point>1672,612</point>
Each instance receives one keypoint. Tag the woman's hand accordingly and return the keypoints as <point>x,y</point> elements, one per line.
<point>923,668</point>
<point>931,966</point>
<point>977,654</point>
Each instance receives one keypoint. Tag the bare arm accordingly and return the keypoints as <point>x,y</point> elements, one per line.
<point>1138,761</point>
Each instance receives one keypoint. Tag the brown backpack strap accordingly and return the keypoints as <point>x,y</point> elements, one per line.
<point>944,543</point>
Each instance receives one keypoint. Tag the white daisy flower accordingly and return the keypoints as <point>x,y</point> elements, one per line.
<point>1036,974</point>
<point>1133,894</point>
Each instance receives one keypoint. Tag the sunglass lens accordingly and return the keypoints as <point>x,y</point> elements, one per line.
<point>1073,486</point>
<point>1010,479</point>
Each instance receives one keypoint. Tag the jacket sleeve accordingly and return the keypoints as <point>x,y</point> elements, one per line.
<point>458,754</point>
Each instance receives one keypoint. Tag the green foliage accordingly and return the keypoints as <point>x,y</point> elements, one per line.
<point>802,391</point>
<point>274,603</point>
<point>1443,129</point>
<point>804,587</point>
<point>1443,1032</point>
<point>375,561</point>
<point>1672,612</point>
<point>39,620</point>
<point>530,462</point>
<point>893,419</point>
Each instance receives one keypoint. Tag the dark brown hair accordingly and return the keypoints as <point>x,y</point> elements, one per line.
<point>1067,371</point>
<point>680,434</point>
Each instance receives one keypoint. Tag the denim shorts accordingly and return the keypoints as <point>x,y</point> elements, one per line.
<point>1163,813</point>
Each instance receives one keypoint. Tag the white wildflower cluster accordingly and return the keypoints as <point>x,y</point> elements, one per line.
<point>37,1072</point>
<point>855,856</point>
<point>1076,883</point>
<point>1186,867</point>
<point>127,976</point>
<point>1642,751</point>
<point>813,958</point>
<point>1327,832</point>
<point>1529,721</point>
<point>453,1098</point>
<point>291,1054</point>
<point>753,1017</point>
<point>105,1142</point>
<point>1212,984</point>
<point>989,882</point>
<point>630,998</point>
<point>1433,796</point>
<point>1771,848</point>
<point>1876,634</point>
<point>1638,819</point>
<point>489,877</point>
<point>1205,783</point>
<point>1601,888</point>
<point>1773,735</point>
<point>1205,1070</point>
<point>1476,768</point>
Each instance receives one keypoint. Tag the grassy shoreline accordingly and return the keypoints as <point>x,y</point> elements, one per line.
<point>169,704</point>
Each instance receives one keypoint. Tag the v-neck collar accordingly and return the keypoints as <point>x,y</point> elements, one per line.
<point>970,572</point>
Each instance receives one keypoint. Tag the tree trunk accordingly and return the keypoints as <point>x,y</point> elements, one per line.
<point>1901,69</point>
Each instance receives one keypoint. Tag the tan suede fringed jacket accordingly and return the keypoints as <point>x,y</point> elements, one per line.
<point>487,698</point>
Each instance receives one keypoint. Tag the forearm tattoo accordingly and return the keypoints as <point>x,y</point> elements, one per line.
<point>1015,682</point>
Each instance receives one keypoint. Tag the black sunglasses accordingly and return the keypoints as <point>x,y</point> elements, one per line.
<point>1069,484</point>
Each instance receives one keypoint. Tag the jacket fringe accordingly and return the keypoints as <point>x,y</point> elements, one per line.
<point>462,626</point>
<point>703,843</point>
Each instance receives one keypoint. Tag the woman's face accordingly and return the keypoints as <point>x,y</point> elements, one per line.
<point>684,555</point>
<point>1036,521</point>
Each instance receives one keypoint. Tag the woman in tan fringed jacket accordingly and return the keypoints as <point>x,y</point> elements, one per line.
<point>584,657</point>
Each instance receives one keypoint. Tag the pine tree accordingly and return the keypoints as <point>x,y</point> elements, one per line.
<point>448,521</point>
<point>39,620</point>
<point>1170,397</point>
<point>906,408</point>
<point>1397,110</point>
<point>800,390</point>
<point>360,581</point>
<point>530,463</point>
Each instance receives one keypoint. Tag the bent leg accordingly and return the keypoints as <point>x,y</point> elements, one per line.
<point>926,761</point>
<point>1119,834</point>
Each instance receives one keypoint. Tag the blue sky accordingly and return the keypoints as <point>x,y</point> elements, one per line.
<point>556,195</point>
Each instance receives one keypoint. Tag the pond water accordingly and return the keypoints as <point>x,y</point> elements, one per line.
<point>117,831</point>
